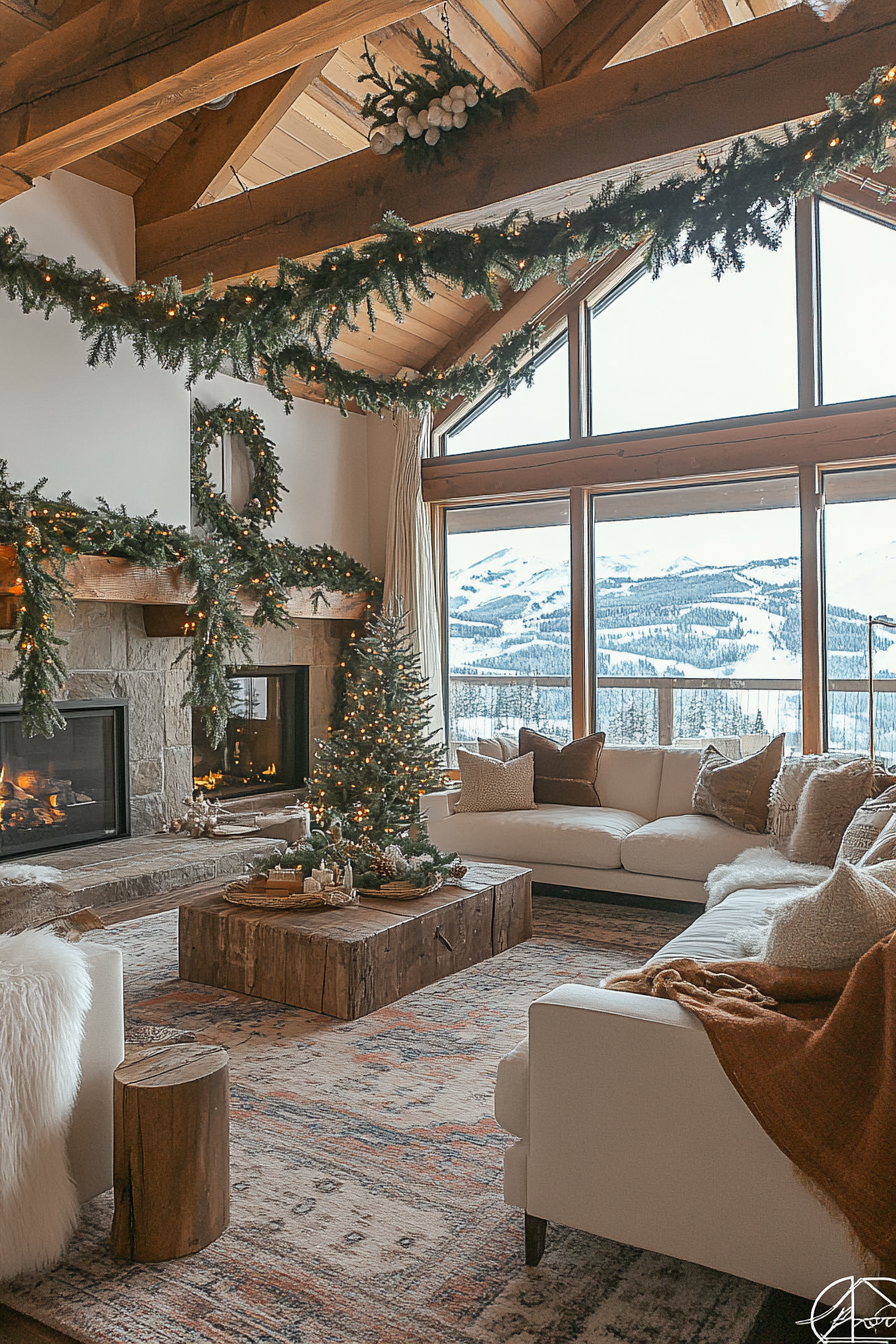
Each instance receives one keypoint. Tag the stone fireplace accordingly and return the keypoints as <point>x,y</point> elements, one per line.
<point>67,790</point>
<point>112,658</point>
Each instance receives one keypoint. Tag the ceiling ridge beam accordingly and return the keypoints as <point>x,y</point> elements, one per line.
<point>126,65</point>
<point>729,83</point>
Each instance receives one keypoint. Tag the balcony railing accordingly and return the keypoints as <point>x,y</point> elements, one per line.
<point>663,709</point>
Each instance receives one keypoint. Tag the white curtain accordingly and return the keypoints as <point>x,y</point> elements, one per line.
<point>410,574</point>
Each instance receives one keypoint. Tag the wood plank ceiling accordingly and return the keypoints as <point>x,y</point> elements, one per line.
<point>303,116</point>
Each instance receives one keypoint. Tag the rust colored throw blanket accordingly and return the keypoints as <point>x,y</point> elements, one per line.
<point>813,1054</point>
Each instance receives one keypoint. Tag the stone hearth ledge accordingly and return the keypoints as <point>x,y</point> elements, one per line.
<point>137,867</point>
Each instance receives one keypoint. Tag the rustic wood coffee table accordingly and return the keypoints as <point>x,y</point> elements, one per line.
<point>349,962</point>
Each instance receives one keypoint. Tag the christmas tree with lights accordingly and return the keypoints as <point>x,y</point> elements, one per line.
<point>373,768</point>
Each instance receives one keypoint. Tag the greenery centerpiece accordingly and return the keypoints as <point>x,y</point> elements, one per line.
<point>411,860</point>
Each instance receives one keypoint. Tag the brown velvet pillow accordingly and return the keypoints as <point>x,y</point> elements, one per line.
<point>564,775</point>
<point>738,791</point>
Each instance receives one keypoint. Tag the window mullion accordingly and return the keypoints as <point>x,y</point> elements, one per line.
<point>807,303</point>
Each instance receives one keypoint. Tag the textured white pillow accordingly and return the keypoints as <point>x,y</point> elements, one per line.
<point>487,785</point>
<point>836,923</point>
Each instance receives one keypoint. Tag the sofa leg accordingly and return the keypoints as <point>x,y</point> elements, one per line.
<point>536,1228</point>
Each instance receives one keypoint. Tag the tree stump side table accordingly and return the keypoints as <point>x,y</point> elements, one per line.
<point>172,1151</point>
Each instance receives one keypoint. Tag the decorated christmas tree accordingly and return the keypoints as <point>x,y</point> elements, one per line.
<point>374,766</point>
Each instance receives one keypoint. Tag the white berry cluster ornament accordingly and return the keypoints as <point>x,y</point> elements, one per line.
<point>415,111</point>
<point>447,113</point>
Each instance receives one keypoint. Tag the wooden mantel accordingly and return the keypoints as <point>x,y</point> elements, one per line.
<point>164,593</point>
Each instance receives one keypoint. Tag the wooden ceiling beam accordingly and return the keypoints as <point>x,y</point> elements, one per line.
<point>598,33</point>
<point>218,142</point>
<point>126,65</point>
<point>727,84</point>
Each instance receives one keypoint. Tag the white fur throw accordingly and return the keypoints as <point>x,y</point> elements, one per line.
<point>760,869</point>
<point>45,991</point>
<point>27,874</point>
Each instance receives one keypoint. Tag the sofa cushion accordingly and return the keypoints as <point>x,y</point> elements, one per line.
<point>629,778</point>
<point>564,775</point>
<point>834,924</point>
<point>679,778</point>
<point>582,837</point>
<point>865,828</point>
<point>685,846</point>
<point>827,805</point>
<point>487,785</point>
<point>718,934</point>
<point>738,791</point>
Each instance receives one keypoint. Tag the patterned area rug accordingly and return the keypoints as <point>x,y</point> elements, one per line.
<point>366,1171</point>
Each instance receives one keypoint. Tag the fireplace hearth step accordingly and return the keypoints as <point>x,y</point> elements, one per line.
<point>117,871</point>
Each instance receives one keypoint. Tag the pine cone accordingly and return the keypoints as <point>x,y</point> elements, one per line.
<point>382,866</point>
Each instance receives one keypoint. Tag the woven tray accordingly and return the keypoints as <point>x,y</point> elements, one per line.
<point>247,893</point>
<point>400,891</point>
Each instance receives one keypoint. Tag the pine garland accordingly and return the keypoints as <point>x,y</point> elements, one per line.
<point>285,329</point>
<point>233,558</point>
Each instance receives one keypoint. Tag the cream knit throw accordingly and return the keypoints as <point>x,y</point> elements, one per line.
<point>45,991</point>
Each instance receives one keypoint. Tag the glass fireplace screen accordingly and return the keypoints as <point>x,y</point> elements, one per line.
<point>266,744</point>
<point>65,790</point>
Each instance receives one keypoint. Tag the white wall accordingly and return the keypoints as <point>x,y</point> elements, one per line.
<point>323,456</point>
<point>121,431</point>
<point>380,466</point>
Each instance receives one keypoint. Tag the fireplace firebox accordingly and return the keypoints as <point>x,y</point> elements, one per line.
<point>70,789</point>
<point>266,744</point>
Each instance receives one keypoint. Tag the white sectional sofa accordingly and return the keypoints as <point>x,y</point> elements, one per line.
<point>628,1127</point>
<point>643,839</point>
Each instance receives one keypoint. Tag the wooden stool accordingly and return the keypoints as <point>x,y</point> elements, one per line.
<point>172,1151</point>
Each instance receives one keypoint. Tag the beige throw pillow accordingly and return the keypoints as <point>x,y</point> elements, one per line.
<point>866,826</point>
<point>487,785</point>
<point>884,847</point>
<point>738,791</point>
<point>827,805</point>
<point>834,924</point>
<point>501,747</point>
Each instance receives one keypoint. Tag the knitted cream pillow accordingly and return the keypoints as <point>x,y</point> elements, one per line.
<point>827,805</point>
<point>835,923</point>
<point>865,828</point>
<point>487,785</point>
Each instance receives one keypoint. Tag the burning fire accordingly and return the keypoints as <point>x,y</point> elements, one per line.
<point>34,799</point>
<point>210,781</point>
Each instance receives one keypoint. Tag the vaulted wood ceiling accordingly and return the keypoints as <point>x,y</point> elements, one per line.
<point>117,91</point>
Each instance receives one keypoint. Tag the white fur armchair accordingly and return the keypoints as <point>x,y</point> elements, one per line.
<point>61,1038</point>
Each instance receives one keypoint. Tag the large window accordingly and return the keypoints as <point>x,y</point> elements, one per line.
<point>693,600</point>
<point>535,414</point>
<point>858,337</point>
<point>688,347</point>
<point>860,549</point>
<point>697,614</point>
<point>507,580</point>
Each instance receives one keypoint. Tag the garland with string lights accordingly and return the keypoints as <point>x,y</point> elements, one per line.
<point>284,329</point>
<point>233,558</point>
